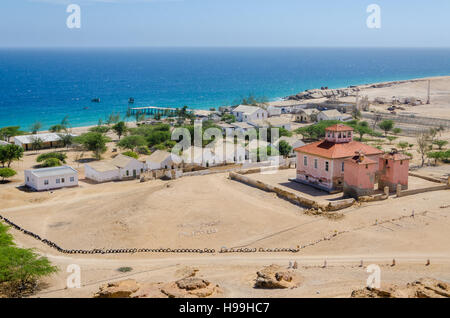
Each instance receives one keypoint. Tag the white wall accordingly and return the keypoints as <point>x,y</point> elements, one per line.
<point>39,183</point>
<point>127,172</point>
<point>102,176</point>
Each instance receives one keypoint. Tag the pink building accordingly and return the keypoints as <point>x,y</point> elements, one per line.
<point>321,163</point>
<point>359,177</point>
<point>394,168</point>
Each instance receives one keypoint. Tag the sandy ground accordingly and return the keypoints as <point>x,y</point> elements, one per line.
<point>213,211</point>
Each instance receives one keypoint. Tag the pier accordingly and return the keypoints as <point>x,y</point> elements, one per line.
<point>151,110</point>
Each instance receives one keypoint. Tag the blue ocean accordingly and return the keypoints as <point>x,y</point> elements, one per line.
<point>45,85</point>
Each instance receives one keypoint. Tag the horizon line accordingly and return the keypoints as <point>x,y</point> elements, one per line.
<point>223,47</point>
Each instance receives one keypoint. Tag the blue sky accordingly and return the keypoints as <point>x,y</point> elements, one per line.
<point>224,23</point>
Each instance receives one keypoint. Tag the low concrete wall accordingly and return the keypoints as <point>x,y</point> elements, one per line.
<point>404,193</point>
<point>412,174</point>
<point>292,197</point>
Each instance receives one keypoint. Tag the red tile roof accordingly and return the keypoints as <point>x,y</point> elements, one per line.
<point>333,150</point>
<point>339,127</point>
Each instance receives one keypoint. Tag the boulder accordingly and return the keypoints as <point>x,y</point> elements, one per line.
<point>190,287</point>
<point>274,277</point>
<point>422,288</point>
<point>121,289</point>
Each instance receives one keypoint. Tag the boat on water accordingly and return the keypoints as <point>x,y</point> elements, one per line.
<point>95,100</point>
<point>131,100</point>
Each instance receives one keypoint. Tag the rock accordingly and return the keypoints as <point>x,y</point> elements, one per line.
<point>422,288</point>
<point>190,287</point>
<point>273,277</point>
<point>121,289</point>
<point>192,283</point>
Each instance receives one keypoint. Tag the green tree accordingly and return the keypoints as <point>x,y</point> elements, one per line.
<point>7,132</point>
<point>423,144</point>
<point>93,141</point>
<point>36,127</point>
<point>440,143</point>
<point>403,145</point>
<point>386,125</point>
<point>6,173</point>
<point>21,268</point>
<point>113,118</point>
<point>36,143</point>
<point>396,131</point>
<point>66,140</point>
<point>316,131</point>
<point>10,153</point>
<point>131,142</point>
<point>284,148</point>
<point>120,128</point>
<point>56,128</point>
<point>100,129</point>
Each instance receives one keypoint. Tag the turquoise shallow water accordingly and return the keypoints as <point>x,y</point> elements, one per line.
<point>47,84</point>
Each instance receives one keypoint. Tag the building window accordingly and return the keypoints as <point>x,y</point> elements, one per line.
<point>58,181</point>
<point>128,173</point>
<point>72,179</point>
<point>326,165</point>
<point>305,161</point>
<point>63,180</point>
<point>315,163</point>
<point>45,182</point>
<point>342,167</point>
<point>28,179</point>
<point>401,162</point>
<point>367,166</point>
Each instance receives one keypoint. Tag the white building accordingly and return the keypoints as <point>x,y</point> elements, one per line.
<point>48,140</point>
<point>162,160</point>
<point>248,113</point>
<point>276,122</point>
<point>3,143</point>
<point>333,114</point>
<point>101,171</point>
<point>274,111</point>
<point>51,178</point>
<point>242,127</point>
<point>128,167</point>
<point>120,168</point>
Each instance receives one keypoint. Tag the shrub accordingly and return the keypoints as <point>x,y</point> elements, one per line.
<point>143,150</point>
<point>100,129</point>
<point>125,269</point>
<point>131,154</point>
<point>6,173</point>
<point>58,155</point>
<point>51,162</point>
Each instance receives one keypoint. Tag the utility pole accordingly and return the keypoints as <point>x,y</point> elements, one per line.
<point>429,86</point>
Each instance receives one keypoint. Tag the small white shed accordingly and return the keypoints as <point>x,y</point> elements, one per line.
<point>51,178</point>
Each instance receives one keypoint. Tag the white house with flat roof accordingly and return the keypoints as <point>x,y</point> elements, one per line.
<point>246,113</point>
<point>51,178</point>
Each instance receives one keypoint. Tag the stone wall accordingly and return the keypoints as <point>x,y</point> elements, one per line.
<point>293,197</point>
